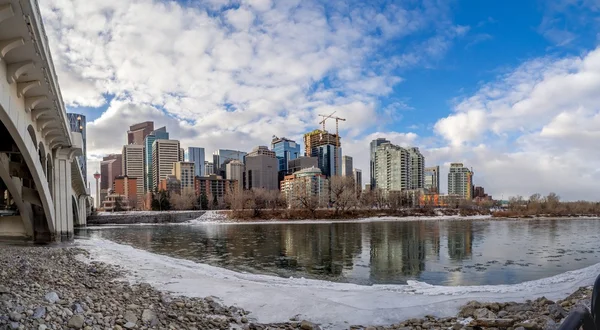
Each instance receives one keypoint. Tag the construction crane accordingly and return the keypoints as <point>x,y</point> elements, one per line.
<point>337,135</point>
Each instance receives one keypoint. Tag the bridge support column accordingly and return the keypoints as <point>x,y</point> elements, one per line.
<point>82,211</point>
<point>63,205</point>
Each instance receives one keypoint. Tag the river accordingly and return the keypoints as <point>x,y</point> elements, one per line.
<point>449,252</point>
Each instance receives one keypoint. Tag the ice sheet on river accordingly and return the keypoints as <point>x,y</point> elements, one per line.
<point>275,299</point>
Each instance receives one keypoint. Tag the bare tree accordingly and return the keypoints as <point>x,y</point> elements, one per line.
<point>303,198</point>
<point>379,198</point>
<point>274,199</point>
<point>236,199</point>
<point>184,201</point>
<point>343,194</point>
<point>256,201</point>
<point>367,199</point>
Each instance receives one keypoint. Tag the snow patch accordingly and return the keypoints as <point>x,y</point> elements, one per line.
<point>334,305</point>
<point>220,217</point>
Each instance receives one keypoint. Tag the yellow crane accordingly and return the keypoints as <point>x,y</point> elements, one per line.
<point>337,135</point>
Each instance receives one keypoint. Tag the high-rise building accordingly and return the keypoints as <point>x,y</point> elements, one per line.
<point>196,156</point>
<point>208,168</point>
<point>357,180</point>
<point>347,166</point>
<point>181,154</point>
<point>164,154</point>
<point>262,169</point>
<point>301,163</point>
<point>460,181</point>
<point>392,168</point>
<point>222,156</point>
<point>417,168</point>
<point>374,144</point>
<point>133,168</point>
<point>78,124</point>
<point>184,172</point>
<point>305,183</point>
<point>235,171</point>
<point>137,133</point>
<point>162,134</point>
<point>323,145</point>
<point>325,155</point>
<point>285,150</point>
<point>432,179</point>
<point>110,168</point>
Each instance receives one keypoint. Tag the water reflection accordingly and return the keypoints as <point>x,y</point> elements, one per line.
<point>444,252</point>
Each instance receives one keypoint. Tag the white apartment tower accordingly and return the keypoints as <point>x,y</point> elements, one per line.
<point>417,169</point>
<point>392,167</point>
<point>133,167</point>
<point>460,181</point>
<point>164,154</point>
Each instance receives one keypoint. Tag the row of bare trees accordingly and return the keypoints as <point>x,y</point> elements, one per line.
<point>551,205</point>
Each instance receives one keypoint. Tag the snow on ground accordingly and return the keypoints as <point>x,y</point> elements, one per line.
<point>221,217</point>
<point>335,305</point>
<point>141,212</point>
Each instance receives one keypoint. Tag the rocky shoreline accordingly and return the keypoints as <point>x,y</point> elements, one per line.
<point>50,288</point>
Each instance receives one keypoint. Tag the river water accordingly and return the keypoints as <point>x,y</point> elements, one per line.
<point>449,252</point>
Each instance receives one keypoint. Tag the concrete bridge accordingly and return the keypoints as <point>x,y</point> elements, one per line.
<point>43,194</point>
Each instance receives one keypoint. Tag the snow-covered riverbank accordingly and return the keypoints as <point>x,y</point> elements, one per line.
<point>222,218</point>
<point>338,305</point>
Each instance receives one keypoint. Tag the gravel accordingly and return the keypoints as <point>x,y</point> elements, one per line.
<point>49,288</point>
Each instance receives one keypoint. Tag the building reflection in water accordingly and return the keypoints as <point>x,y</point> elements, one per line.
<point>385,252</point>
<point>460,240</point>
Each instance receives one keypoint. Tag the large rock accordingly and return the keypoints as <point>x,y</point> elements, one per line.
<point>148,316</point>
<point>130,317</point>
<point>76,321</point>
<point>15,316</point>
<point>51,297</point>
<point>39,312</point>
<point>519,308</point>
<point>129,325</point>
<point>305,325</point>
<point>484,313</point>
<point>557,312</point>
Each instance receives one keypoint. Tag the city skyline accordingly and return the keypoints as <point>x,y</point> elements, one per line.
<point>448,78</point>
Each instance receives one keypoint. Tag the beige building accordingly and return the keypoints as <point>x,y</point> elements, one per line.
<point>306,182</point>
<point>184,172</point>
<point>133,167</point>
<point>235,171</point>
<point>164,154</point>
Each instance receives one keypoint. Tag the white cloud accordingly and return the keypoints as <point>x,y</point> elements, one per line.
<point>230,74</point>
<point>543,121</point>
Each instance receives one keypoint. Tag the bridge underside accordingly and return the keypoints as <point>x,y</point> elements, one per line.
<point>21,209</point>
<point>43,194</point>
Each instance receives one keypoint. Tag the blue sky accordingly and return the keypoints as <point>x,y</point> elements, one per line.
<point>507,87</point>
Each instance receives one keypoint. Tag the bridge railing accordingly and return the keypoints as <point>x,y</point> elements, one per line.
<point>584,318</point>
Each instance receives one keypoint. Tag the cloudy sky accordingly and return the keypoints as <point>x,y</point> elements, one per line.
<point>510,88</point>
